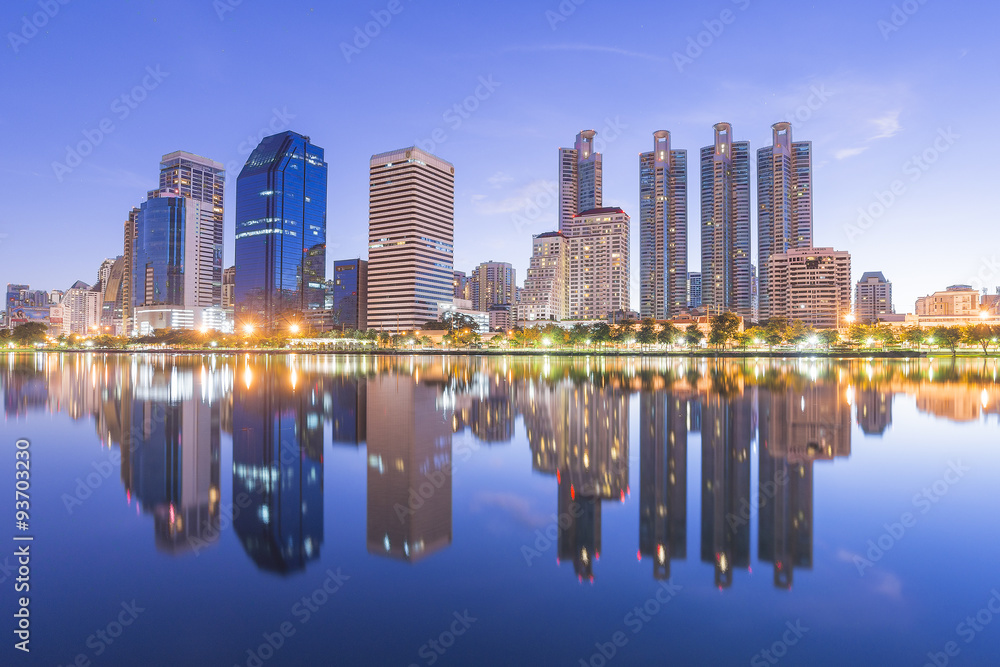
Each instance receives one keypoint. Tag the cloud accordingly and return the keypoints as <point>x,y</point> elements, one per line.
<point>517,507</point>
<point>499,179</point>
<point>886,126</point>
<point>539,194</point>
<point>845,153</point>
<point>586,47</point>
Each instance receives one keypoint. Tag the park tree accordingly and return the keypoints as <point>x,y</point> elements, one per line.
<point>948,337</point>
<point>829,338</point>
<point>914,336</point>
<point>693,335</point>
<point>28,334</point>
<point>979,334</point>
<point>724,328</point>
<point>668,334</point>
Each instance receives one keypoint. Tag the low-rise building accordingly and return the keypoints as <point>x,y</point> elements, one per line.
<point>957,300</point>
<point>811,285</point>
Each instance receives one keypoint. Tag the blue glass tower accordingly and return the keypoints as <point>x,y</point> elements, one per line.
<point>158,276</point>
<point>280,230</point>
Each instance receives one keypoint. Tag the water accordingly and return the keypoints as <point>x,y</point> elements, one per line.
<point>348,510</point>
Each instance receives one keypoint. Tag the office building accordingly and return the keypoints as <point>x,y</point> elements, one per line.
<point>81,310</point>
<point>663,222</point>
<point>350,294</point>
<point>580,178</point>
<point>128,293</point>
<point>694,290</point>
<point>112,298</point>
<point>784,203</point>
<point>812,285</point>
<point>546,288</point>
<point>459,285</point>
<point>957,300</point>
<point>725,224</point>
<point>411,231</point>
<point>26,305</point>
<point>495,284</point>
<point>280,231</point>
<point>598,263</point>
<point>872,297</point>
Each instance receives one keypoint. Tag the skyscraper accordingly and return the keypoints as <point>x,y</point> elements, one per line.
<point>784,203</point>
<point>662,230</point>
<point>496,285</point>
<point>872,297</point>
<point>580,178</point>
<point>350,293</point>
<point>725,224</point>
<point>128,293</point>
<point>546,289</point>
<point>411,231</point>
<point>202,180</point>
<point>280,231</point>
<point>598,263</point>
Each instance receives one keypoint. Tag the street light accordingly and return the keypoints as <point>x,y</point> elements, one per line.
<point>294,328</point>
<point>984,314</point>
<point>248,329</point>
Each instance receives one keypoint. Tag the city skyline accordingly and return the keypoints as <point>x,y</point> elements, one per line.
<point>868,118</point>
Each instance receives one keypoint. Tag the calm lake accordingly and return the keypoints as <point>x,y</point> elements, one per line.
<point>263,510</point>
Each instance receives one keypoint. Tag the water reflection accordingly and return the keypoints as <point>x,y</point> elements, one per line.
<point>168,414</point>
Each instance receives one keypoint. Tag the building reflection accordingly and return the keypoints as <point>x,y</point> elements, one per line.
<point>409,467</point>
<point>579,433</point>
<point>726,432</point>
<point>663,428</point>
<point>345,406</point>
<point>874,409</point>
<point>278,466</point>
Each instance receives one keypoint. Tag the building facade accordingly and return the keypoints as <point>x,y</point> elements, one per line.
<point>784,202</point>
<point>581,178</point>
<point>598,263</point>
<point>957,300</point>
<point>281,231</point>
<point>725,224</point>
<point>873,297</point>
<point>495,284</point>
<point>350,294</point>
<point>546,288</point>
<point>663,222</point>
<point>694,290</point>
<point>812,285</point>
<point>411,236</point>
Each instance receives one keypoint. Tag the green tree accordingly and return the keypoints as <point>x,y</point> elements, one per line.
<point>723,328</point>
<point>914,336</point>
<point>600,332</point>
<point>755,335</point>
<point>25,335</point>
<point>647,333</point>
<point>829,337</point>
<point>668,334</point>
<point>693,335</point>
<point>797,333</point>
<point>979,334</point>
<point>949,337</point>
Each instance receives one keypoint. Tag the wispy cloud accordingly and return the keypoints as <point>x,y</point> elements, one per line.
<point>845,153</point>
<point>585,47</point>
<point>535,193</point>
<point>499,179</point>
<point>886,126</point>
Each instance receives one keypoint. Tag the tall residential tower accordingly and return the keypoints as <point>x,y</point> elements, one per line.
<point>580,178</point>
<point>662,230</point>
<point>725,224</point>
<point>784,204</point>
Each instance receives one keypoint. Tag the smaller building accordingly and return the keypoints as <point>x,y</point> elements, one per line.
<point>955,301</point>
<point>694,290</point>
<point>873,297</point>
<point>501,317</point>
<point>229,288</point>
<point>464,307</point>
<point>349,301</point>
<point>811,285</point>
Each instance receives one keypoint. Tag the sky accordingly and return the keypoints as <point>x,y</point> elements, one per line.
<point>892,95</point>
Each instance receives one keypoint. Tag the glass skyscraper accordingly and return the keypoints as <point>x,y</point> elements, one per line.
<point>280,230</point>
<point>350,293</point>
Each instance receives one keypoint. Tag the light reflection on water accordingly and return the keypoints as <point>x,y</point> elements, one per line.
<point>639,455</point>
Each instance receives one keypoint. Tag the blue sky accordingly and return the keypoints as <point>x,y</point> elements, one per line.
<point>871,86</point>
